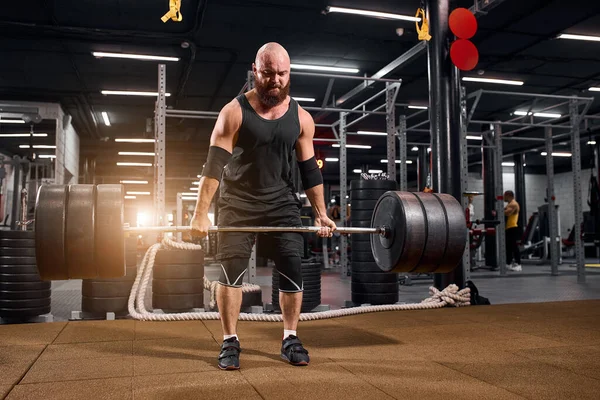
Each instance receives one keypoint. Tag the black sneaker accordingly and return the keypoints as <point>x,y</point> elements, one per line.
<point>293,352</point>
<point>229,359</point>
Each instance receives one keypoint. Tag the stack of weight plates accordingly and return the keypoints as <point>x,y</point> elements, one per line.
<point>99,296</point>
<point>22,294</point>
<point>311,276</point>
<point>370,285</point>
<point>178,283</point>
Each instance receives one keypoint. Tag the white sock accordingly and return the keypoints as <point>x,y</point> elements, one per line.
<point>225,337</point>
<point>287,333</point>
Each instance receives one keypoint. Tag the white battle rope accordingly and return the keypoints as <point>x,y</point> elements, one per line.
<point>450,296</point>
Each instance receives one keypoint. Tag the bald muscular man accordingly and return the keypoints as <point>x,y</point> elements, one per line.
<point>251,158</point>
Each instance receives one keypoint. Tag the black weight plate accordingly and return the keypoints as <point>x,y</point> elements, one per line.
<point>178,271</point>
<point>25,294</point>
<point>361,224</point>
<point>177,301</point>
<point>109,245</point>
<point>361,215</point>
<point>436,231</point>
<point>366,194</point>
<point>19,277</point>
<point>374,277</point>
<point>80,232</point>
<point>23,312</point>
<point>17,234</point>
<point>92,288</point>
<point>402,248</point>
<point>359,266</point>
<point>130,273</point>
<point>178,286</point>
<point>18,243</point>
<point>250,299</point>
<point>15,260</point>
<point>374,299</point>
<point>19,252</point>
<point>25,303</point>
<point>195,257</point>
<point>457,233</point>
<point>50,223</point>
<point>362,256</point>
<point>19,269</point>
<point>380,288</point>
<point>384,184</point>
<point>359,205</point>
<point>311,266</point>
<point>361,247</point>
<point>24,286</point>
<point>101,305</point>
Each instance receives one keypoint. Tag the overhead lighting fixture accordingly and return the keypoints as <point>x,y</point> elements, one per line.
<point>134,140</point>
<point>371,133</point>
<point>15,135</point>
<point>136,153</point>
<point>415,148</point>
<point>418,107</point>
<point>353,146</point>
<point>303,195</point>
<point>37,146</point>
<point>555,154</point>
<point>307,99</point>
<point>579,37</point>
<point>324,68</point>
<point>193,189</point>
<point>11,121</point>
<point>357,171</point>
<point>332,159</point>
<point>397,161</point>
<point>131,93</point>
<point>196,183</point>
<point>130,197</point>
<point>594,89</point>
<point>189,194</point>
<point>508,164</point>
<point>375,171</point>
<point>536,114</point>
<point>191,198</point>
<point>100,54</point>
<point>134,164</point>
<point>490,80</point>
<point>469,137</point>
<point>105,118</point>
<point>46,156</point>
<point>591,142</point>
<point>134,182</point>
<point>139,193</point>
<point>375,14</point>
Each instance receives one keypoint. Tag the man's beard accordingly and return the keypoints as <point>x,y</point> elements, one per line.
<point>270,100</point>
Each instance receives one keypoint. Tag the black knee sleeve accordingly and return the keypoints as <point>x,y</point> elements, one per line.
<point>290,274</point>
<point>232,272</point>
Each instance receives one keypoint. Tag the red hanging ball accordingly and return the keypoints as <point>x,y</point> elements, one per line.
<point>464,54</point>
<point>462,23</point>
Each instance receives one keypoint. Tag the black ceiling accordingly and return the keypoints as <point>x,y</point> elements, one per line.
<point>46,46</point>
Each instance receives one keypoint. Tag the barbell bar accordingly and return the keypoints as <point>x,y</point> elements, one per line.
<point>408,232</point>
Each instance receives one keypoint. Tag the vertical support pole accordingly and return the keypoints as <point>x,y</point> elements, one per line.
<point>402,152</point>
<point>14,214</point>
<point>390,119</point>
<point>422,168</point>
<point>159,147</point>
<point>179,212</point>
<point>552,217</point>
<point>464,175</point>
<point>520,195</point>
<point>577,198</point>
<point>250,80</point>
<point>343,192</point>
<point>501,229</point>
<point>252,265</point>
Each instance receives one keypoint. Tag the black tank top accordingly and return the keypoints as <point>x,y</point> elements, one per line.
<point>258,178</point>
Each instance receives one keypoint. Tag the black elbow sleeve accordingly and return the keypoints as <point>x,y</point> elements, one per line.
<point>310,173</point>
<point>215,162</point>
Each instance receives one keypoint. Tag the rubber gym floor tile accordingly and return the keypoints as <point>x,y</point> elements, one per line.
<point>79,369</point>
<point>93,389</point>
<point>177,347</point>
<point>26,334</point>
<point>81,351</point>
<point>247,329</point>
<point>96,331</point>
<point>11,373</point>
<point>531,379</point>
<point>166,356</point>
<point>216,385</point>
<point>574,337</point>
<point>424,380</point>
<point>581,360</point>
<point>11,354</point>
<point>145,330</point>
<point>389,319</point>
<point>4,389</point>
<point>144,365</point>
<point>316,381</point>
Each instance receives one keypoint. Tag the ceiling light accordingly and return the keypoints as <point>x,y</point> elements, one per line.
<point>134,140</point>
<point>11,121</point>
<point>397,161</point>
<point>508,164</point>
<point>555,154</point>
<point>375,14</point>
<point>375,171</point>
<point>134,164</point>
<point>353,146</point>
<point>308,99</point>
<point>323,68</point>
<point>136,153</point>
<point>196,183</point>
<point>592,142</point>
<point>594,89</point>
<point>130,197</point>
<point>418,107</point>
<point>134,182</point>
<point>429,149</point>
<point>193,189</point>
<point>190,194</point>
<point>131,93</point>
<point>469,137</point>
<point>15,135</point>
<point>371,133</point>
<point>332,159</point>
<point>415,148</point>
<point>37,146</point>
<point>303,195</point>
<point>579,37</point>
<point>189,198</point>
<point>105,118</point>
<point>99,54</point>
<point>140,193</point>
<point>536,114</point>
<point>489,80</point>
<point>46,156</point>
<point>357,171</point>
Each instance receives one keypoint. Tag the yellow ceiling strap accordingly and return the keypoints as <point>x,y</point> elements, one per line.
<point>174,13</point>
<point>423,30</point>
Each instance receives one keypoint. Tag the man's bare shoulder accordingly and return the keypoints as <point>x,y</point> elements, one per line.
<point>305,117</point>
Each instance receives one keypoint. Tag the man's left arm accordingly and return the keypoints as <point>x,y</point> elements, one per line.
<point>510,209</point>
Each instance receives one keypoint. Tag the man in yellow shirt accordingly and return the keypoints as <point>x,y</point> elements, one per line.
<point>511,212</point>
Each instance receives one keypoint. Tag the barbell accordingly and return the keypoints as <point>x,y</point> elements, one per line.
<point>80,231</point>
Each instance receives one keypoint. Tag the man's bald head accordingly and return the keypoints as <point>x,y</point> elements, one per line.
<point>272,74</point>
<point>272,53</point>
